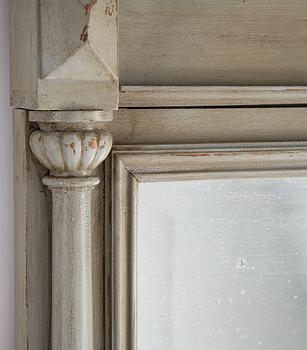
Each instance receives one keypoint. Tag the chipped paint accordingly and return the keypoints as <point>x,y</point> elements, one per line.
<point>87,11</point>
<point>72,145</point>
<point>84,33</point>
<point>109,10</point>
<point>88,7</point>
<point>93,143</point>
<point>102,146</point>
<point>239,153</point>
<point>76,154</point>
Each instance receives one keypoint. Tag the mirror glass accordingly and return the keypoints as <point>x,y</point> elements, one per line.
<point>222,264</point>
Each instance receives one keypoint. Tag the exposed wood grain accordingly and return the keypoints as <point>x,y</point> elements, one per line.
<point>193,96</point>
<point>205,42</point>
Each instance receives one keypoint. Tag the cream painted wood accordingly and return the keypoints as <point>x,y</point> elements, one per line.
<point>20,220</point>
<point>64,60</point>
<point>213,43</point>
<point>72,295</point>
<point>202,96</point>
<point>71,153</point>
<point>33,226</point>
<point>32,222</point>
<point>135,126</point>
<point>64,54</point>
<point>71,156</point>
<point>210,125</point>
<point>132,165</point>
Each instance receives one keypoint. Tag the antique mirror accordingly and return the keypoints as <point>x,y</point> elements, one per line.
<point>160,174</point>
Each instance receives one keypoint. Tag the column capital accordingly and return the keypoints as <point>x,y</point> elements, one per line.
<point>71,143</point>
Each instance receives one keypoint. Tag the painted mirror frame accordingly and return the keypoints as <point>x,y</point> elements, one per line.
<point>68,110</point>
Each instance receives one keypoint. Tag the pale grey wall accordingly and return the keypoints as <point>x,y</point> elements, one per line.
<point>6,179</point>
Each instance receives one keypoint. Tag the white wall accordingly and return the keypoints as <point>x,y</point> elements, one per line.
<point>6,191</point>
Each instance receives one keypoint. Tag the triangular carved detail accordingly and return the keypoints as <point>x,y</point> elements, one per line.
<point>85,64</point>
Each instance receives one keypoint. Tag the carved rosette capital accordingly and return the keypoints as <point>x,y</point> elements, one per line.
<point>75,153</point>
<point>71,143</point>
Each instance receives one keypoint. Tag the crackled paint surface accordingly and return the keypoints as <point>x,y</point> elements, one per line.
<point>72,291</point>
<point>222,265</point>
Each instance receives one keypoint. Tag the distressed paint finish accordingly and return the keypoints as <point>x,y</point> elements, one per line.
<point>71,150</point>
<point>71,153</point>
<point>64,58</point>
<point>199,96</point>
<point>213,43</point>
<point>135,164</point>
<point>139,126</point>
<point>211,125</point>
<point>72,292</point>
<point>64,54</point>
<point>32,244</point>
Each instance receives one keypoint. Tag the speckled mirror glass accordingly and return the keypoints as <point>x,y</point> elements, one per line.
<point>222,264</point>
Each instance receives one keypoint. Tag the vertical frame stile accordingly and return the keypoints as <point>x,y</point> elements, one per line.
<point>98,259</point>
<point>133,267</point>
<point>132,254</point>
<point>108,253</point>
<point>124,195</point>
<point>20,219</point>
<point>32,222</point>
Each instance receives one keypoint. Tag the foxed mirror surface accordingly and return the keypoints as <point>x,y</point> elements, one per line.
<point>222,264</point>
<point>213,42</point>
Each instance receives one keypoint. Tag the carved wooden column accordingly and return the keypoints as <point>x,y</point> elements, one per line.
<point>64,59</point>
<point>71,145</point>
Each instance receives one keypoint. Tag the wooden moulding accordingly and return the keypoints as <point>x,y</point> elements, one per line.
<point>205,96</point>
<point>74,264</point>
<point>69,316</point>
<point>64,54</point>
<point>209,125</point>
<point>71,151</point>
<point>166,161</point>
<point>32,226</point>
<point>210,43</point>
<point>133,165</point>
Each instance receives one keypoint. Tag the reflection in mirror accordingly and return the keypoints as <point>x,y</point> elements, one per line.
<point>222,264</point>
